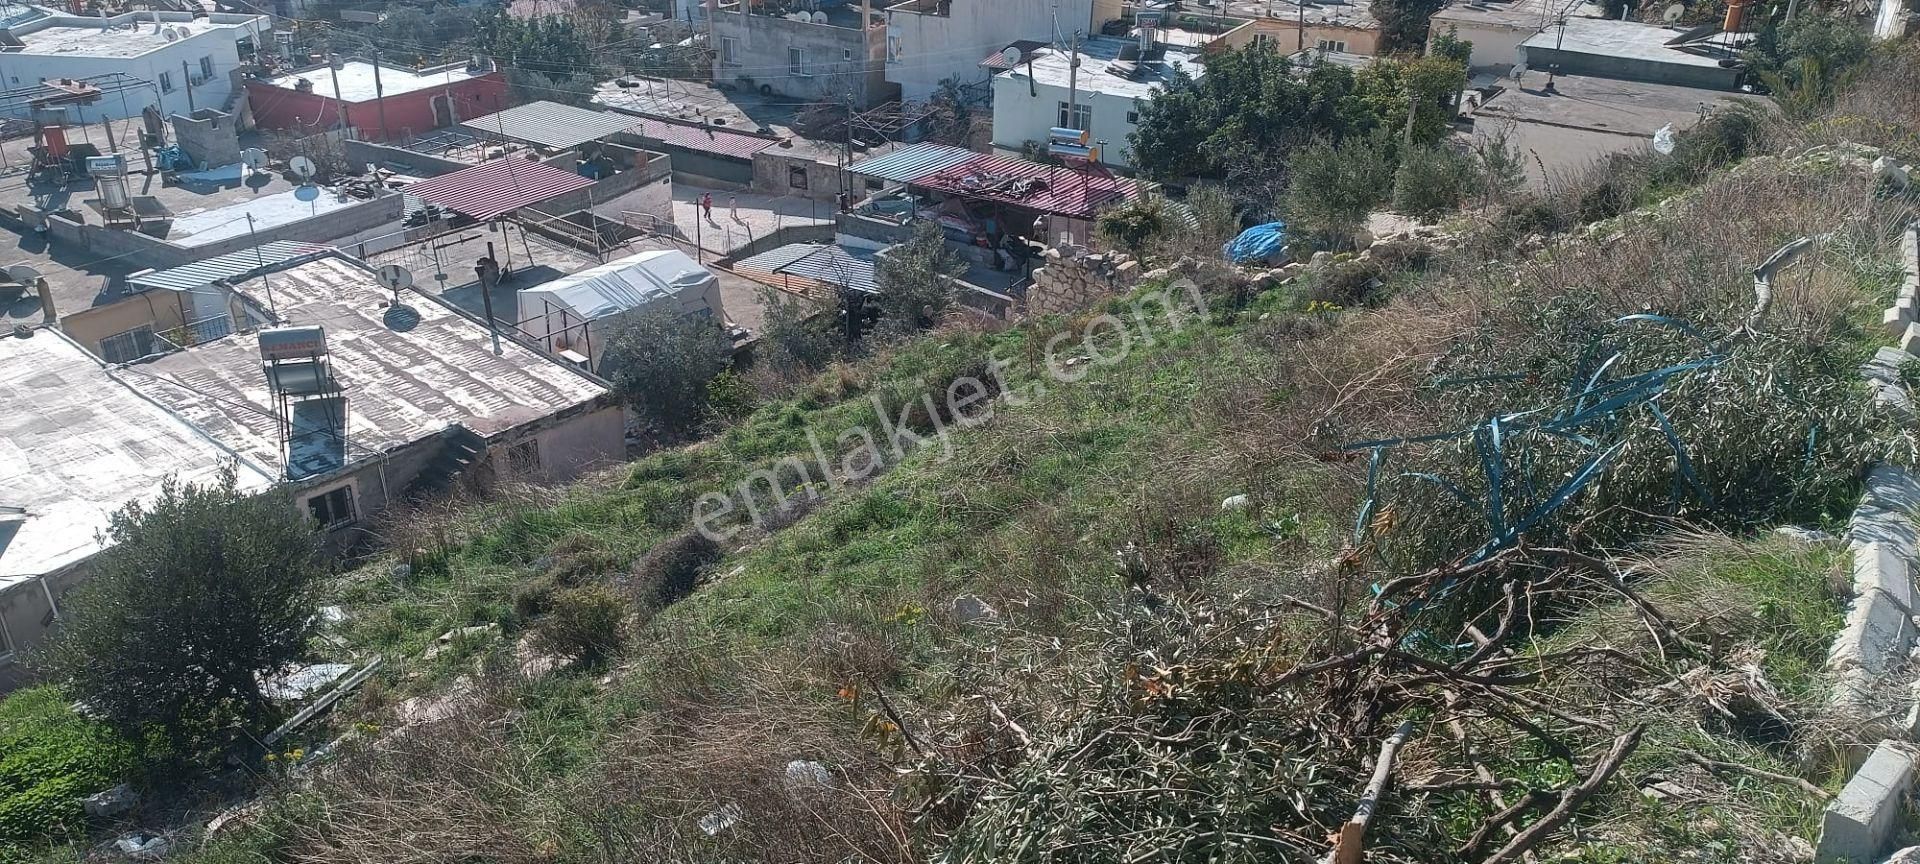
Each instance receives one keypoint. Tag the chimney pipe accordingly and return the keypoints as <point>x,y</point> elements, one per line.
<point>50,315</point>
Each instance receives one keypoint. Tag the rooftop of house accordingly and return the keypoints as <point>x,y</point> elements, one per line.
<point>205,210</point>
<point>1103,71</point>
<point>357,79</point>
<point>409,371</point>
<point>77,444</point>
<point>1339,13</point>
<point>842,15</point>
<point>128,35</point>
<point>1630,40</point>
<point>1586,119</point>
<point>1525,15</point>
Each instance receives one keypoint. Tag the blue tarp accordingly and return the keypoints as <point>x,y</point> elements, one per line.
<point>1261,243</point>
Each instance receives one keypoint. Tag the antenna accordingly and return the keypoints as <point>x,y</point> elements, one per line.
<point>1011,56</point>
<point>1673,12</point>
<point>302,167</point>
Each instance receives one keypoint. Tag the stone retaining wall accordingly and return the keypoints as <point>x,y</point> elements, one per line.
<point>1068,282</point>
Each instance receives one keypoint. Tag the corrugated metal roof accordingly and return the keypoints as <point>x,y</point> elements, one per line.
<point>491,188</point>
<point>551,124</point>
<point>1043,188</point>
<point>200,274</point>
<point>822,262</point>
<point>702,138</point>
<point>912,163</point>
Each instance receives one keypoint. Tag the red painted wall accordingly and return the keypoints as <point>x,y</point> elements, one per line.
<point>406,113</point>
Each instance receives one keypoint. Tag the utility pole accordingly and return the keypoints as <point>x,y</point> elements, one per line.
<point>186,80</point>
<point>339,104</point>
<point>1300,32</point>
<point>379,96</point>
<point>261,262</point>
<point>1073,83</point>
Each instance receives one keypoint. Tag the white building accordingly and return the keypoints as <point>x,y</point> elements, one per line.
<point>1104,100</point>
<point>930,41</point>
<point>175,60</point>
<point>573,316</point>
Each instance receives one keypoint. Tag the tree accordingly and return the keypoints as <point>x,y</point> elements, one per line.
<point>916,280</point>
<point>660,362</point>
<point>1804,62</point>
<point>203,592</point>
<point>794,336</point>
<point>1250,106</point>
<point>1334,187</point>
<point>1404,24</point>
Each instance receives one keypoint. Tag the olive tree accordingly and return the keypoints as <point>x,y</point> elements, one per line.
<point>660,362</point>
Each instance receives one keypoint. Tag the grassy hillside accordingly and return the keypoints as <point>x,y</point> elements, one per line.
<point>1048,636</point>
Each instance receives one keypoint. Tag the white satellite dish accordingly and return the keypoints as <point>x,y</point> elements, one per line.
<point>1673,12</point>
<point>25,274</point>
<point>169,35</point>
<point>396,277</point>
<point>254,158</point>
<point>819,17</point>
<point>302,167</point>
<point>1011,56</point>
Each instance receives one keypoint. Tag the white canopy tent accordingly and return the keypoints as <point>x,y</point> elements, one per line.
<point>574,312</point>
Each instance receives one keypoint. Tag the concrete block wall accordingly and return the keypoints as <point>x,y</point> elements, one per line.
<point>1068,283</point>
<point>1880,629</point>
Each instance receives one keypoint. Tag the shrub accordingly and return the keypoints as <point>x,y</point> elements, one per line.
<point>671,570</point>
<point>794,337</point>
<point>661,362</point>
<point>583,623</point>
<point>204,590</point>
<point>1432,180</point>
<point>729,396</point>
<point>50,758</point>
<point>1334,187</point>
<point>1131,226</point>
<point>916,281</point>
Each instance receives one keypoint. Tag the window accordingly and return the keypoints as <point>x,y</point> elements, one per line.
<point>332,509</point>
<point>523,458</point>
<point>128,346</point>
<point>797,176</point>
<point>796,61</point>
<point>730,50</point>
<point>1133,118</point>
<point>1076,117</point>
<point>1262,40</point>
<point>846,54</point>
<point>166,82</point>
<point>1334,45</point>
<point>206,68</point>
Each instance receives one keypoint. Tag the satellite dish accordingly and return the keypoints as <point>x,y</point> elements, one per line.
<point>1673,12</point>
<point>1011,56</point>
<point>254,158</point>
<point>25,274</point>
<point>302,166</point>
<point>396,277</point>
<point>169,35</point>
<point>819,17</point>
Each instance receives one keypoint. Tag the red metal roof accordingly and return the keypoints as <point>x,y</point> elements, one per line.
<point>1074,192</point>
<point>491,188</point>
<point>703,138</point>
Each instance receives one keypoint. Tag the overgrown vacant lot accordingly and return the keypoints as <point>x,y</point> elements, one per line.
<point>1042,637</point>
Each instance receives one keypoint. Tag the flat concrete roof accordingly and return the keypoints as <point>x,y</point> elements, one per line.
<point>409,371</point>
<point>114,37</point>
<point>1097,55</point>
<point>1343,13</point>
<point>1587,119</point>
<point>1623,39</point>
<point>1523,15</point>
<point>77,444</point>
<point>356,79</point>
